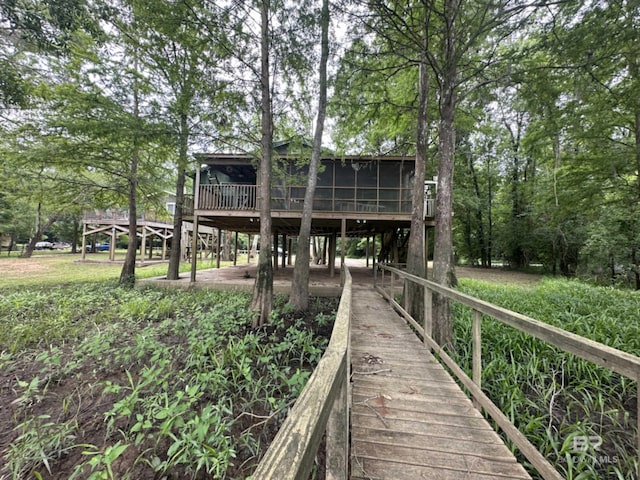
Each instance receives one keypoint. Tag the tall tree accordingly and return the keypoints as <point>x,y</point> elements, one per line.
<point>184,48</point>
<point>300,285</point>
<point>262,300</point>
<point>36,27</point>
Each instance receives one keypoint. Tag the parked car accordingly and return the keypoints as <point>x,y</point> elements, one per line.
<point>44,246</point>
<point>100,247</point>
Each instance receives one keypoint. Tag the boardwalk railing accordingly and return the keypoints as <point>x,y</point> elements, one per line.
<point>322,405</point>
<point>600,354</point>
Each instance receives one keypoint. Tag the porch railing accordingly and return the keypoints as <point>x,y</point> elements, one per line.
<point>602,355</point>
<point>238,197</point>
<point>227,197</point>
<point>322,405</point>
<point>122,216</point>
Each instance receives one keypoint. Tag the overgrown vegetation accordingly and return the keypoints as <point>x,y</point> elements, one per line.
<point>556,399</point>
<point>101,382</point>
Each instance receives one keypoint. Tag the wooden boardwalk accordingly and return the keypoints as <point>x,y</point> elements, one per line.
<point>410,420</point>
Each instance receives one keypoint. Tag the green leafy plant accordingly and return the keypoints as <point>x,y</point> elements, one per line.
<point>552,396</point>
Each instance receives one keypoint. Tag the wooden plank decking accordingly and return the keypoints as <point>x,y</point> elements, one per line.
<point>410,420</point>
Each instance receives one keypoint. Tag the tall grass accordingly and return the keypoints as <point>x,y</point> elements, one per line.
<point>556,399</point>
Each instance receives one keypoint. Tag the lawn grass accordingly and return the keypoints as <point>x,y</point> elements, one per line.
<point>55,268</point>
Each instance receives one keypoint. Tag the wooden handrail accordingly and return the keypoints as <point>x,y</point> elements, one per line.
<point>598,353</point>
<point>321,405</point>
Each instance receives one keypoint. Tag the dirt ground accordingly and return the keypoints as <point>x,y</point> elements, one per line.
<point>498,275</point>
<point>321,282</point>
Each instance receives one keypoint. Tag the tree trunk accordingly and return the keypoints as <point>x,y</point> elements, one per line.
<point>415,251</point>
<point>76,234</point>
<point>40,229</point>
<point>443,265</point>
<point>262,301</point>
<point>173,271</point>
<point>226,251</point>
<point>299,298</point>
<point>128,273</point>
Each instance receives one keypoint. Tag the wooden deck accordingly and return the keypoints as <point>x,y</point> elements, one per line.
<point>410,420</point>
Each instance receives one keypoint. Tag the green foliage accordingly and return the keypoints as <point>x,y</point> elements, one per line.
<point>553,396</point>
<point>40,442</point>
<point>181,376</point>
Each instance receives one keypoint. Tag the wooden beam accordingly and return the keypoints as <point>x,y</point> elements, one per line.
<point>276,237</point>
<point>343,248</point>
<point>143,247</point>
<point>284,251</point>
<point>477,352</point>
<point>194,247</point>
<point>366,251</point>
<point>112,245</point>
<point>84,241</point>
<point>219,244</point>
<point>235,250</point>
<point>164,245</point>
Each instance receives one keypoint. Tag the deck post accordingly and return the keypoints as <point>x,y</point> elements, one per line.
<point>428,320</point>
<point>289,250</point>
<point>284,251</point>
<point>337,433</point>
<point>343,248</point>
<point>112,245</point>
<point>426,251</point>
<point>218,245</point>
<point>477,352</point>
<point>235,250</point>
<point>391,283</point>
<point>274,254</point>
<point>143,247</point>
<point>194,247</point>
<point>164,244</point>
<point>84,240</point>
<point>324,250</point>
<point>373,256</point>
<point>366,252</point>
<point>332,254</point>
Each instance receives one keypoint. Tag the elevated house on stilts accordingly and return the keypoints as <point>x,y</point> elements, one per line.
<point>356,196</point>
